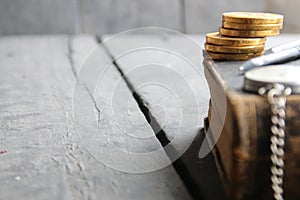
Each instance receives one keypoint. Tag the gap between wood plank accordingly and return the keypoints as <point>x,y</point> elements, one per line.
<point>178,164</point>
<point>73,68</point>
<point>165,183</point>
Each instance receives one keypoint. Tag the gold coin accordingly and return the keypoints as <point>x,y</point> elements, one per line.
<point>254,27</point>
<point>232,49</point>
<point>247,33</point>
<point>229,56</point>
<point>252,17</point>
<point>216,38</point>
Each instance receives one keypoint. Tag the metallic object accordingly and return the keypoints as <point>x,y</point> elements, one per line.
<point>277,82</point>
<point>272,58</point>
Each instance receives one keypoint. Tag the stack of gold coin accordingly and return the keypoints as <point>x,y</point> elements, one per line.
<point>242,35</point>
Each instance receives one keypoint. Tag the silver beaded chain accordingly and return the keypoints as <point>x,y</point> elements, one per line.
<point>276,94</point>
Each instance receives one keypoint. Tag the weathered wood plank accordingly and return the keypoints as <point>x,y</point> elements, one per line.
<point>36,17</point>
<point>176,94</point>
<point>45,157</point>
<point>120,15</point>
<point>134,124</point>
<point>206,16</point>
<point>34,119</point>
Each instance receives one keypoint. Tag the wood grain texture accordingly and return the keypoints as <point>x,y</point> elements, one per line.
<point>36,17</point>
<point>164,183</point>
<point>34,117</point>
<point>45,157</point>
<point>172,89</point>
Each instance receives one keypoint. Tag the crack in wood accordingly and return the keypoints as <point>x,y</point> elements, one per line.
<point>73,68</point>
<point>160,134</point>
<point>73,165</point>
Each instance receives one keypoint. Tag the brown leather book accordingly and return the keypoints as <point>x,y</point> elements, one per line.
<point>239,122</point>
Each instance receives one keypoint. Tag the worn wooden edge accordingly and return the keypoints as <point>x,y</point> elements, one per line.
<point>164,182</point>
<point>244,148</point>
<point>204,183</point>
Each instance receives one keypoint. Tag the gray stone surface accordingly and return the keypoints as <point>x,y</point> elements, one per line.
<point>47,156</point>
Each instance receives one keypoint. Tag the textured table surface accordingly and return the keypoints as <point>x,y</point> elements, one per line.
<point>67,116</point>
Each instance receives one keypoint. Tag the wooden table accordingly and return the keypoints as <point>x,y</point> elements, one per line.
<point>50,148</point>
<point>43,152</point>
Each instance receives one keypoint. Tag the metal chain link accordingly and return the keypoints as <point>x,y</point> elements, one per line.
<point>276,94</point>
